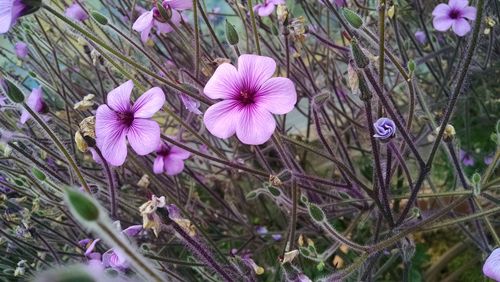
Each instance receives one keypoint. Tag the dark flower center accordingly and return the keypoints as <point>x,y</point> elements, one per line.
<point>246,97</point>
<point>455,14</point>
<point>127,118</point>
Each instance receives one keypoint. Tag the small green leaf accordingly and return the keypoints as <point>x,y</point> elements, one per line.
<point>274,191</point>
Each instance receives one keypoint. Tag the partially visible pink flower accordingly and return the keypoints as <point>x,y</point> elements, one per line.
<point>115,259</point>
<point>76,12</point>
<point>466,158</point>
<point>133,230</point>
<point>250,96</point>
<point>11,10</point>
<point>455,15</point>
<point>191,104</point>
<point>491,267</point>
<point>169,159</point>
<point>153,18</point>
<point>21,49</point>
<point>119,120</point>
<point>35,102</point>
<point>266,8</point>
<point>420,36</point>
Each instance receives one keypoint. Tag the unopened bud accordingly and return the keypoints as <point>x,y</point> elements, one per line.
<point>231,34</point>
<point>352,18</point>
<point>12,91</point>
<point>99,18</point>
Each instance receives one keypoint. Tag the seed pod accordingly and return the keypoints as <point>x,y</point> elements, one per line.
<point>316,213</point>
<point>99,18</point>
<point>358,55</point>
<point>352,18</point>
<point>231,34</point>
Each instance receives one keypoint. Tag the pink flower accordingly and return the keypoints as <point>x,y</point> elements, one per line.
<point>76,12</point>
<point>115,259</point>
<point>169,159</point>
<point>11,10</point>
<point>89,245</point>
<point>119,120</point>
<point>267,7</point>
<point>250,96</point>
<point>21,50</point>
<point>35,102</point>
<point>455,15</point>
<point>133,230</point>
<point>153,18</point>
<point>491,267</point>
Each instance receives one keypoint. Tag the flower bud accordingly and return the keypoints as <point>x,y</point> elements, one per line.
<point>411,65</point>
<point>231,34</point>
<point>165,13</point>
<point>99,18</point>
<point>352,18</point>
<point>12,91</point>
<point>316,213</point>
<point>81,205</point>
<point>476,182</point>
<point>38,174</point>
<point>358,55</point>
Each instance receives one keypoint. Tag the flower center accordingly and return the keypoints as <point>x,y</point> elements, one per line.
<point>246,97</point>
<point>127,118</point>
<point>455,14</point>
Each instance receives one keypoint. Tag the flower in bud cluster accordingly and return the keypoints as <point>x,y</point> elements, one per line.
<point>384,128</point>
<point>11,10</point>
<point>21,50</point>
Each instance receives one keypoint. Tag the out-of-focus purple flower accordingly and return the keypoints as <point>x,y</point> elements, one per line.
<point>21,50</point>
<point>250,96</point>
<point>488,159</point>
<point>35,102</point>
<point>11,10</point>
<point>88,245</point>
<point>420,36</point>
<point>455,15</point>
<point>261,230</point>
<point>133,230</point>
<point>466,158</point>
<point>119,120</point>
<point>169,159</point>
<point>259,270</point>
<point>491,267</point>
<point>191,104</point>
<point>266,8</point>
<point>76,12</point>
<point>94,262</point>
<point>303,278</point>
<point>276,237</point>
<point>115,259</point>
<point>384,128</point>
<point>153,18</point>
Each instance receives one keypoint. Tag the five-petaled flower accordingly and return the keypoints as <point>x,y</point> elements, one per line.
<point>169,159</point>
<point>455,15</point>
<point>250,97</point>
<point>266,8</point>
<point>119,120</point>
<point>76,12</point>
<point>21,49</point>
<point>11,10</point>
<point>384,128</point>
<point>35,102</point>
<point>153,18</point>
<point>491,267</point>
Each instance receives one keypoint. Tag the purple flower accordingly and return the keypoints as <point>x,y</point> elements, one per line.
<point>35,102</point>
<point>21,50</point>
<point>455,15</point>
<point>133,230</point>
<point>88,245</point>
<point>115,259</point>
<point>11,10</point>
<point>491,267</point>
<point>119,120</point>
<point>384,128</point>
<point>153,18</point>
<point>267,7</point>
<point>250,96</point>
<point>466,158</point>
<point>488,159</point>
<point>169,159</point>
<point>276,237</point>
<point>420,36</point>
<point>261,230</point>
<point>190,104</point>
<point>76,12</point>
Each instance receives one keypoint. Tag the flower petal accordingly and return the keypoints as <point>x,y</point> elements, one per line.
<point>265,10</point>
<point>491,267</point>
<point>224,83</point>
<point>110,136</point>
<point>458,3</point>
<point>178,153</point>
<point>255,70</point>
<point>145,34</point>
<point>173,166</point>
<point>5,15</point>
<point>277,95</point>
<point>35,100</point>
<point>221,119</point>
<point>143,21</point>
<point>158,165</point>
<point>441,10</point>
<point>469,13</point>
<point>255,125</point>
<point>179,4</point>
<point>144,136</point>
<point>149,103</point>
<point>119,98</point>
<point>442,23</point>
<point>461,27</point>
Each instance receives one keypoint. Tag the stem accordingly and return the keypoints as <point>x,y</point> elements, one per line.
<point>254,26</point>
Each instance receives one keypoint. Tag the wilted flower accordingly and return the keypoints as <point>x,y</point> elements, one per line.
<point>21,50</point>
<point>119,120</point>
<point>259,270</point>
<point>384,128</point>
<point>11,10</point>
<point>420,36</point>
<point>35,102</point>
<point>76,12</point>
<point>466,158</point>
<point>191,104</point>
<point>491,267</point>
<point>250,96</point>
<point>151,18</point>
<point>455,15</point>
<point>266,8</point>
<point>289,256</point>
<point>85,104</point>
<point>169,159</point>
<point>132,230</point>
<point>151,220</point>
<point>88,245</point>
